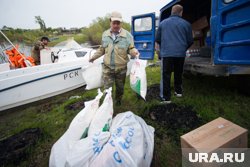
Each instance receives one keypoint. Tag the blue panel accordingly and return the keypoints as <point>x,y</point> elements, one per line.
<point>231,30</point>
<point>243,33</point>
<point>144,40</point>
<point>231,53</point>
<point>235,15</point>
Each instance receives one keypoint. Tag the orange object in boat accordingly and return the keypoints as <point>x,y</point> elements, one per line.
<point>17,59</point>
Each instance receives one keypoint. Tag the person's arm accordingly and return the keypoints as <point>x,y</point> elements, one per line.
<point>100,51</point>
<point>190,39</point>
<point>158,42</point>
<point>157,49</point>
<point>131,48</point>
<point>158,36</point>
<point>39,45</point>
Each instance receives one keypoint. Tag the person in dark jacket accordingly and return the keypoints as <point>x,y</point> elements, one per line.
<point>38,46</point>
<point>173,38</point>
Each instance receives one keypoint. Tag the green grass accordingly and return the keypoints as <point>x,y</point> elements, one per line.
<point>208,96</point>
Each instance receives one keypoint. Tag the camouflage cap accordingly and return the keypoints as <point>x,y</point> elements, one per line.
<point>116,16</point>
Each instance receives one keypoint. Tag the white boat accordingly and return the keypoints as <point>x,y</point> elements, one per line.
<point>25,85</point>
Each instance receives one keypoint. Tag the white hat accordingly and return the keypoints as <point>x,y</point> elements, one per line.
<point>116,16</point>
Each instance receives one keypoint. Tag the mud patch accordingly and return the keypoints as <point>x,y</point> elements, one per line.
<point>45,107</point>
<point>15,148</point>
<point>176,119</point>
<point>153,92</point>
<point>76,106</point>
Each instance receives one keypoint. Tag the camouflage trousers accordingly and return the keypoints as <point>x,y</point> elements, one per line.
<point>117,77</point>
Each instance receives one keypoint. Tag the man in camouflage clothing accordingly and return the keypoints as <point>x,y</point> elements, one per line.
<point>38,46</point>
<point>117,43</point>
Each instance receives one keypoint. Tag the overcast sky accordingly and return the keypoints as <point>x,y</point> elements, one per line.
<point>70,13</point>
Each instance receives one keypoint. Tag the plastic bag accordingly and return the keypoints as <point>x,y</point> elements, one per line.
<point>131,143</point>
<point>138,80</point>
<point>92,75</point>
<point>129,65</point>
<point>85,150</point>
<point>103,116</point>
<point>126,141</point>
<point>78,129</point>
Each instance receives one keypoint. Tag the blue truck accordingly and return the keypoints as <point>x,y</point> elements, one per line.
<point>221,32</point>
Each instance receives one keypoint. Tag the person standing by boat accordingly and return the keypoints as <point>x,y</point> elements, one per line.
<point>38,46</point>
<point>117,43</point>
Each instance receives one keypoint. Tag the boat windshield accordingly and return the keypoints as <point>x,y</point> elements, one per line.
<point>69,44</point>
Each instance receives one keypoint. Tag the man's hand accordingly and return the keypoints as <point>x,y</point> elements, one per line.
<point>91,60</point>
<point>42,45</point>
<point>135,53</point>
<point>158,53</point>
<point>157,49</point>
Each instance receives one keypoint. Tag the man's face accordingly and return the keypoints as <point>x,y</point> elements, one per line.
<point>115,26</point>
<point>45,42</point>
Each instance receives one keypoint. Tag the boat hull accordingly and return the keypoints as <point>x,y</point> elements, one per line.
<point>31,84</point>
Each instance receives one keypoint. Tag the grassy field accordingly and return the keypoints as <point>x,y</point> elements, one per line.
<point>209,97</point>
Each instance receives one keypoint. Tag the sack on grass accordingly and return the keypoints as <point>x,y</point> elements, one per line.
<point>103,117</point>
<point>131,143</point>
<point>138,79</point>
<point>78,129</point>
<point>87,149</point>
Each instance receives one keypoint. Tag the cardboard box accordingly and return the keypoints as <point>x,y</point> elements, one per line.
<point>200,23</point>
<point>197,34</point>
<point>219,133</point>
<point>218,136</point>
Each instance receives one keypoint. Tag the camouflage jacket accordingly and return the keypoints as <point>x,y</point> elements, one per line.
<point>116,51</point>
<point>35,52</point>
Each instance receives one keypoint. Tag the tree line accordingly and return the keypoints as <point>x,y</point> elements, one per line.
<point>91,34</point>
